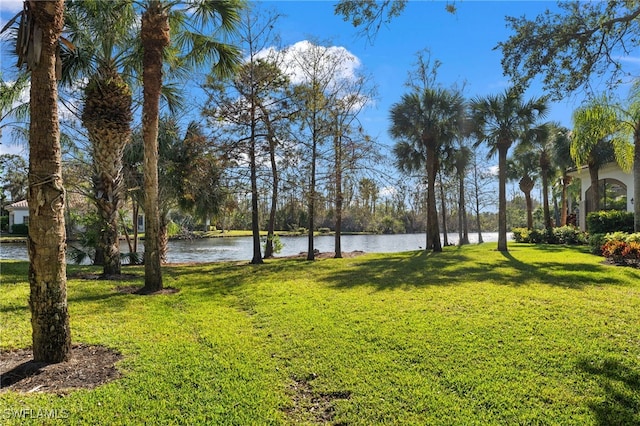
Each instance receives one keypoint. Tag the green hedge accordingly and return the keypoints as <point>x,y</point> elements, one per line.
<point>604,222</point>
<point>20,229</point>
<point>561,235</point>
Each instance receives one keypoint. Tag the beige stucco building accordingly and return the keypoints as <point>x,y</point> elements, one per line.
<point>611,177</point>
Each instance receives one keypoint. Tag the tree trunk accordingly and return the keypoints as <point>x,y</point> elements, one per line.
<point>529,203</point>
<point>136,215</point>
<point>51,334</point>
<point>545,201</point>
<point>594,205</point>
<point>636,179</point>
<point>526,185</point>
<point>477,196</point>
<point>339,198</point>
<point>443,203</point>
<point>155,37</point>
<point>269,251</point>
<point>463,229</point>
<point>255,217</point>
<point>163,236</point>
<point>312,201</point>
<point>108,199</point>
<point>502,196</point>
<point>544,168</point>
<point>433,230</point>
<point>566,180</point>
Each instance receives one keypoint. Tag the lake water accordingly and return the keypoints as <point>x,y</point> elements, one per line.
<point>240,248</point>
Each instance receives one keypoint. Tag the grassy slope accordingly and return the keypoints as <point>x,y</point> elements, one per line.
<point>470,336</point>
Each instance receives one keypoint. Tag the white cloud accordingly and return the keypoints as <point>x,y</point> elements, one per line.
<point>388,191</point>
<point>341,63</point>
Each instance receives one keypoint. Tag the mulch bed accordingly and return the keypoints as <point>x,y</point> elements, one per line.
<point>88,367</point>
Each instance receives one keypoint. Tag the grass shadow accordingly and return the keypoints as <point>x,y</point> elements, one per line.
<point>621,385</point>
<point>457,265</point>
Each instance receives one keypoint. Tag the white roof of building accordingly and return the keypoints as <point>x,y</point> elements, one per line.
<point>18,205</point>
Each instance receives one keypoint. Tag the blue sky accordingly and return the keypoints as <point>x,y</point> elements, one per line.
<point>463,42</point>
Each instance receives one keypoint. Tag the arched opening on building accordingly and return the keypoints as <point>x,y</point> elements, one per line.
<point>613,195</point>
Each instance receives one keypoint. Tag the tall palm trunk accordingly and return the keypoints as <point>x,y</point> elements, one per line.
<point>502,195</point>
<point>566,180</point>
<point>463,229</point>
<point>443,203</point>
<point>155,37</point>
<point>51,334</point>
<point>433,230</point>
<point>544,169</point>
<point>107,116</point>
<point>477,199</point>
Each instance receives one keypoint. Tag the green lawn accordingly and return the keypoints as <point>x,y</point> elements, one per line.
<point>471,336</point>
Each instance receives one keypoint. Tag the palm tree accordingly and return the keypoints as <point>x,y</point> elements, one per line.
<point>457,159</point>
<point>424,123</point>
<point>542,140</point>
<point>192,48</point>
<point>10,105</point>
<point>523,168</point>
<point>596,140</point>
<point>106,113</point>
<point>563,162</point>
<point>501,120</point>
<point>51,333</point>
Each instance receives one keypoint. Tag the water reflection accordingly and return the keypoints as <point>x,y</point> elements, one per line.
<point>240,248</point>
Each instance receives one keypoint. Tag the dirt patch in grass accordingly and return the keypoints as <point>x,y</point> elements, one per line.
<point>311,406</point>
<point>97,276</point>
<point>133,289</point>
<point>87,368</point>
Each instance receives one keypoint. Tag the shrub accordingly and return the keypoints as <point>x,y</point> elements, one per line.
<point>622,248</point>
<point>569,235</point>
<point>525,235</point>
<point>20,229</point>
<point>609,221</point>
<point>613,250</point>
<point>631,252</point>
<point>561,235</point>
<point>596,241</point>
<point>520,234</point>
<point>633,238</point>
<point>277,244</point>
